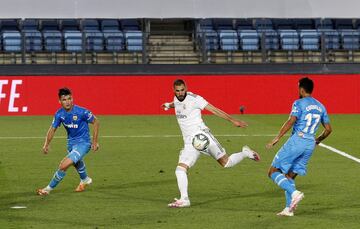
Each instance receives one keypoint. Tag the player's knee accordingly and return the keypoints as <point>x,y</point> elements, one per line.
<point>180,169</point>
<point>271,171</point>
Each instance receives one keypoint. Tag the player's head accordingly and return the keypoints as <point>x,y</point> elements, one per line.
<point>180,89</point>
<point>65,98</point>
<point>306,86</point>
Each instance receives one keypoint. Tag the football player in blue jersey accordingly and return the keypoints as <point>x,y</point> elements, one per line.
<point>75,119</point>
<point>292,158</point>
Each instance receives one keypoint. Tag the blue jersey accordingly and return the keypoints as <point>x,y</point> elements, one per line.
<point>75,122</point>
<point>309,113</point>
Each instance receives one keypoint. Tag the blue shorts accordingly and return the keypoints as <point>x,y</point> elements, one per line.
<point>294,155</point>
<point>76,152</point>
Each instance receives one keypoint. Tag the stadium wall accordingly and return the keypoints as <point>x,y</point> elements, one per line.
<point>143,95</point>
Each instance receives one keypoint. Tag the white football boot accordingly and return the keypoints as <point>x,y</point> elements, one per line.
<point>180,203</point>
<point>83,183</point>
<point>296,197</point>
<point>285,212</point>
<point>251,153</point>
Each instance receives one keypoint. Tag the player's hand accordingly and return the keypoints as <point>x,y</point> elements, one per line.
<point>272,143</point>
<point>166,106</point>
<point>239,123</point>
<point>95,146</point>
<point>45,149</point>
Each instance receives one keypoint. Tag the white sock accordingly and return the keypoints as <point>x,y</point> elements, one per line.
<point>48,188</point>
<point>235,159</point>
<point>182,181</point>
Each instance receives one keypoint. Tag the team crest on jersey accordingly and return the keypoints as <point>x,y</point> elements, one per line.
<point>75,117</point>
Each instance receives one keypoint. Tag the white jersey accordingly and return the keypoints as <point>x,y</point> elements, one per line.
<point>188,114</point>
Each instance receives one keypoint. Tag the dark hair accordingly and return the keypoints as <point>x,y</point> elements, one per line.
<point>64,91</point>
<point>179,82</point>
<point>307,84</point>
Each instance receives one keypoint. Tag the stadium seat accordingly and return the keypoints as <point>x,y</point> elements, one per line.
<point>69,25</point>
<point>309,39</point>
<point>90,25</point>
<point>49,25</point>
<point>30,24</point>
<point>324,23</point>
<point>223,24</point>
<point>283,24</point>
<point>271,38</point>
<point>94,40</point>
<point>110,24</point>
<point>9,25</point>
<point>249,40</point>
<point>289,39</point>
<point>244,24</point>
<point>350,39</point>
<point>114,38</point>
<point>73,41</point>
<point>228,40</point>
<point>301,24</point>
<point>12,41</point>
<point>33,40</point>
<point>130,25</point>
<point>134,40</point>
<point>263,24</point>
<point>341,24</point>
<point>52,41</point>
<point>331,38</point>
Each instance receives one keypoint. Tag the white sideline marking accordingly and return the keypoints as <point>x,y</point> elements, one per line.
<point>143,136</point>
<point>340,152</point>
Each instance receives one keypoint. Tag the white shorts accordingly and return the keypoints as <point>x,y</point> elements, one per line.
<point>189,155</point>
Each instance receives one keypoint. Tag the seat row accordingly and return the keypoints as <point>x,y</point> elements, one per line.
<point>106,35</point>
<point>285,39</point>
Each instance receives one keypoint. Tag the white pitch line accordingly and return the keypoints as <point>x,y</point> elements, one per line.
<point>340,152</point>
<point>142,136</point>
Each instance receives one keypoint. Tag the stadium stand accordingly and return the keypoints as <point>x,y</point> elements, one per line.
<point>120,41</point>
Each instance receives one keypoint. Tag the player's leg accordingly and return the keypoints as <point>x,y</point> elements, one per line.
<point>188,157</point>
<point>300,168</point>
<point>58,176</point>
<point>286,211</point>
<point>218,152</point>
<point>77,154</point>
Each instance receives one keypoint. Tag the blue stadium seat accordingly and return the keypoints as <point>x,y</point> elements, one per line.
<point>73,41</point>
<point>33,40</point>
<point>271,38</point>
<point>9,25</point>
<point>350,39</point>
<point>223,24</point>
<point>228,40</point>
<point>130,25</point>
<point>51,25</point>
<point>309,39</point>
<point>244,24</point>
<point>331,38</point>
<point>90,25</point>
<point>134,40</point>
<point>341,24</point>
<point>30,24</point>
<point>12,41</point>
<point>110,25</point>
<point>289,39</point>
<point>94,41</point>
<point>207,34</point>
<point>114,40</point>
<point>263,24</point>
<point>301,24</point>
<point>249,40</point>
<point>52,41</point>
<point>283,24</point>
<point>70,25</point>
<point>206,24</point>
<point>324,23</point>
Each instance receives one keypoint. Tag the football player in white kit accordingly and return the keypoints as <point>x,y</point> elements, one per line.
<point>188,108</point>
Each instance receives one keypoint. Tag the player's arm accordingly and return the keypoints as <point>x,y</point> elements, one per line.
<point>49,136</point>
<point>216,111</point>
<point>167,106</point>
<point>327,131</point>
<point>95,143</point>
<point>284,129</point>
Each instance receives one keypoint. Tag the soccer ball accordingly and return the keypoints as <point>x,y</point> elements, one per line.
<point>200,142</point>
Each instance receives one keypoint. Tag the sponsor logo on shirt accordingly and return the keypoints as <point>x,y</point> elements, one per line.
<point>72,125</point>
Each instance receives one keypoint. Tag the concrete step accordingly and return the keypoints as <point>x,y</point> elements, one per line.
<point>170,48</point>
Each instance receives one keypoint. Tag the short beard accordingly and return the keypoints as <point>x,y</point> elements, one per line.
<point>181,99</point>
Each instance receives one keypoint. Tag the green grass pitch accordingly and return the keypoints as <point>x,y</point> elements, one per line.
<point>134,178</point>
